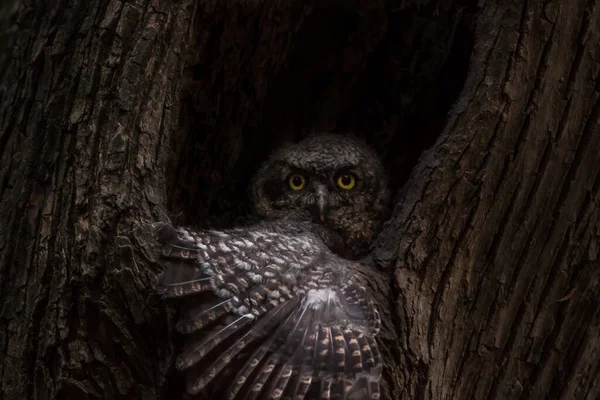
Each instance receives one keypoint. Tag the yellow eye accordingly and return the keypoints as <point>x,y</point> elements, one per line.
<point>346,181</point>
<point>296,182</point>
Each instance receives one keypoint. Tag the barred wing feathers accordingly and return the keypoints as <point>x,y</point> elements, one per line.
<point>274,305</point>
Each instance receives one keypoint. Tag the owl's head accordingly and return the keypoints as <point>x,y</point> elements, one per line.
<point>335,180</point>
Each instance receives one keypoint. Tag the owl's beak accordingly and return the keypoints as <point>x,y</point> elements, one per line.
<point>321,194</point>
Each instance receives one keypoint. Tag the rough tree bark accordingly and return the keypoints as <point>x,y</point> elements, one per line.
<point>112,112</point>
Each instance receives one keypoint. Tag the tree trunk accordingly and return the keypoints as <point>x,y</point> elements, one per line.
<point>116,114</point>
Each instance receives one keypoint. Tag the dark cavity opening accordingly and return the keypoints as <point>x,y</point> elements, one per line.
<point>255,78</point>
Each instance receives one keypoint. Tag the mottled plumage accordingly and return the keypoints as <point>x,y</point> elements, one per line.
<point>273,306</point>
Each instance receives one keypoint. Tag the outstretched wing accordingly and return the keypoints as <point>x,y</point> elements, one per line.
<point>273,305</point>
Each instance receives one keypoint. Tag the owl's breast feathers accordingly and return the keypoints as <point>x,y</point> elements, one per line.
<point>273,305</point>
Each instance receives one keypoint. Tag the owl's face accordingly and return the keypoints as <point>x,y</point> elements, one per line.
<point>334,180</point>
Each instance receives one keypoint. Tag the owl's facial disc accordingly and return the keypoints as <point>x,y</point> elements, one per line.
<point>323,194</point>
<point>330,179</point>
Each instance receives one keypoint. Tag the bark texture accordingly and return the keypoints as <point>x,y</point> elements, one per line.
<point>494,240</point>
<point>112,112</point>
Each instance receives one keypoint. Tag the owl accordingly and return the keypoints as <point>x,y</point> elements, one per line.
<point>275,309</point>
